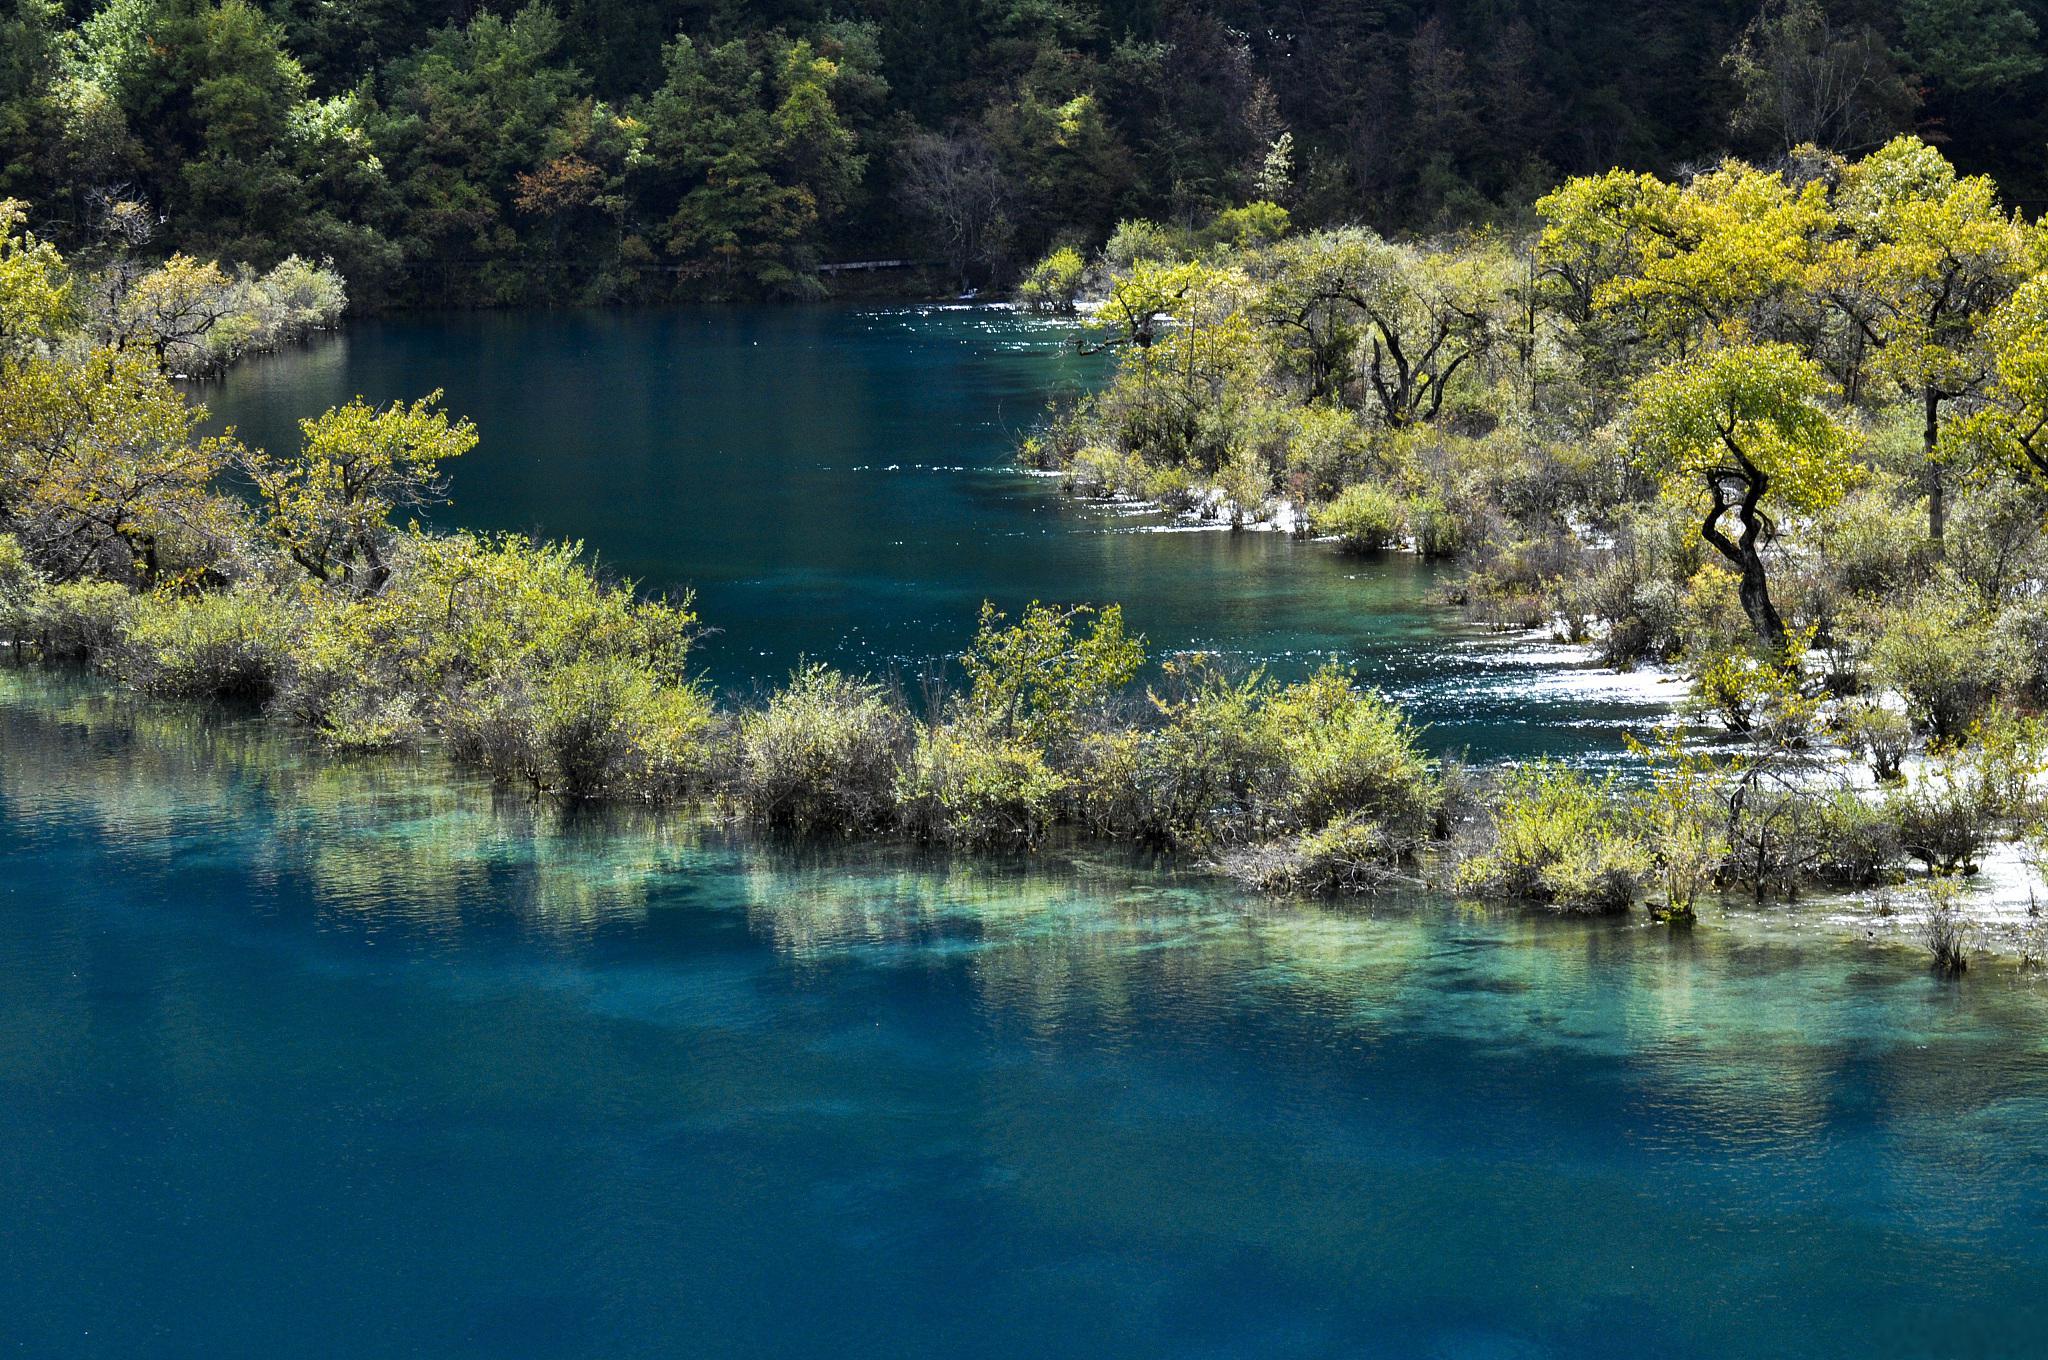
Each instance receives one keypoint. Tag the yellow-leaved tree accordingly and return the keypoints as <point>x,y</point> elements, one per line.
<point>1751,427</point>
<point>35,290</point>
<point>1925,260</point>
<point>330,506</point>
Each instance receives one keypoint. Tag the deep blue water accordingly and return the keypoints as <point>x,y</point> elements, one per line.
<point>840,482</point>
<point>307,1058</point>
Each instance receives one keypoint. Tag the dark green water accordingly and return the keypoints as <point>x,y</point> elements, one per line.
<point>838,482</point>
<point>300,1057</point>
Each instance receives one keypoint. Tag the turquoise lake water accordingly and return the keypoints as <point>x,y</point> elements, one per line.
<point>300,1057</point>
<point>311,1056</point>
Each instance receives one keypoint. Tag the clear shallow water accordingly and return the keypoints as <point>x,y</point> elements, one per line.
<point>352,1058</point>
<point>838,482</point>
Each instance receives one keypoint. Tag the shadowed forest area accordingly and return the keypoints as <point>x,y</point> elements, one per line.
<point>604,149</point>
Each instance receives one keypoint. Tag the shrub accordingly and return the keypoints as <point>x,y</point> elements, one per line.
<point>1054,282</point>
<point>822,755</point>
<point>1755,697</point>
<point>1039,679</point>
<point>1350,855</point>
<point>1879,735</point>
<point>1711,620</point>
<point>1870,545</point>
<point>1434,526</point>
<point>1559,837</point>
<point>1944,819</point>
<point>2022,637</point>
<point>469,622</point>
<point>1362,518</point>
<point>1944,657</point>
<point>1137,240</point>
<point>77,620</point>
<point>1201,775</point>
<point>21,592</point>
<point>1098,470</point>
<point>1345,752</point>
<point>598,727</point>
<point>1944,929</point>
<point>1329,449</point>
<point>1682,822</point>
<point>2004,755</point>
<point>1855,841</point>
<point>84,620</point>
<point>966,786</point>
<point>221,645</point>
<point>1248,227</point>
<point>1641,609</point>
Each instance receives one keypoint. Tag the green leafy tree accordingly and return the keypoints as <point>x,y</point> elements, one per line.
<point>1807,79</point>
<point>1750,425</point>
<point>330,507</point>
<point>2009,431</point>
<point>464,117</point>
<point>35,290</point>
<point>1928,256</point>
<point>103,471</point>
<point>745,159</point>
<point>1970,44</point>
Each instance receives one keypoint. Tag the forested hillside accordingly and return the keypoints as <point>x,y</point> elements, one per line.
<point>445,151</point>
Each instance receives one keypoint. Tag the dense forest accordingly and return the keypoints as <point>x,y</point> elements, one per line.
<point>446,151</point>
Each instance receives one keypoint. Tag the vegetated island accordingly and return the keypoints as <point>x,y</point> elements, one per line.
<point>1777,426</point>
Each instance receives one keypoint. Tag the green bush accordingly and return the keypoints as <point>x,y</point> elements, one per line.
<point>1237,760</point>
<point>223,645</point>
<point>1756,697</point>
<point>1040,679</point>
<point>1053,284</point>
<point>1945,931</point>
<point>1199,776</point>
<point>78,620</point>
<point>1346,752</point>
<point>1879,735</point>
<point>1855,841</point>
<point>1350,855</point>
<point>1363,518</point>
<point>1871,545</point>
<point>598,727</point>
<point>1944,819</point>
<point>469,622</point>
<point>1944,657</point>
<point>822,755</point>
<point>1248,227</point>
<point>1436,528</point>
<point>1139,241</point>
<point>1561,838</point>
<point>966,786</point>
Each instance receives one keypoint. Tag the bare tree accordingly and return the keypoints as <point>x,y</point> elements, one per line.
<point>953,183</point>
<point>1806,79</point>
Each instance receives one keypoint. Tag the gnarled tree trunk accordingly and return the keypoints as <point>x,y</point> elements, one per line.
<point>1740,492</point>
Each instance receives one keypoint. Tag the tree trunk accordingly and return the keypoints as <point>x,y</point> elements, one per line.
<point>1755,593</point>
<point>1745,554</point>
<point>1930,437</point>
